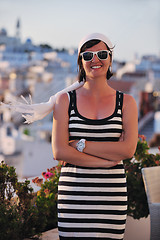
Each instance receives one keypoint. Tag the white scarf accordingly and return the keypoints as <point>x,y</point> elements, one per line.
<point>34,112</point>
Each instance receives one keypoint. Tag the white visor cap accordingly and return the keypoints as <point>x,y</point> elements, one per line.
<point>97,36</point>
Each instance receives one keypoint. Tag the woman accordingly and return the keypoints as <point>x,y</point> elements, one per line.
<point>87,135</point>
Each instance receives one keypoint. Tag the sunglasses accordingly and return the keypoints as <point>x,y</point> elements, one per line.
<point>88,56</point>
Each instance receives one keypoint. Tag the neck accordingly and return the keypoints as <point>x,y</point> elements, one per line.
<point>97,86</point>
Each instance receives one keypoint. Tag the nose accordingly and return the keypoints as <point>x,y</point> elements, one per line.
<point>95,58</point>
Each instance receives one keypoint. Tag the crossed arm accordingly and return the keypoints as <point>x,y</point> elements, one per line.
<point>96,154</point>
<point>125,148</point>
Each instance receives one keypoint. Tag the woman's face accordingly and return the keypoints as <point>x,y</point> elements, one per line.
<point>96,67</point>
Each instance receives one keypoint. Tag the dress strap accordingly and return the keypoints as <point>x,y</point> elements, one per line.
<point>120,100</point>
<point>71,101</point>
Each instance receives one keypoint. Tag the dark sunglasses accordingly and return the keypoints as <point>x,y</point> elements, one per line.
<point>88,56</point>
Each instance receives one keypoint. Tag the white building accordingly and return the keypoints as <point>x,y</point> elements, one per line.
<point>10,141</point>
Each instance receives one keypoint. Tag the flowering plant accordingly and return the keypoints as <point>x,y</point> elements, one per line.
<point>23,213</point>
<point>137,199</point>
<point>46,200</point>
<point>18,215</point>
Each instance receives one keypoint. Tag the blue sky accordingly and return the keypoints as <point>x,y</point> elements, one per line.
<point>132,25</point>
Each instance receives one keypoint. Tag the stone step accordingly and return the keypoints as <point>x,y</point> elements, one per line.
<point>49,235</point>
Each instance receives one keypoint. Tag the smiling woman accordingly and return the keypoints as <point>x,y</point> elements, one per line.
<point>107,53</point>
<point>94,129</point>
<point>96,63</point>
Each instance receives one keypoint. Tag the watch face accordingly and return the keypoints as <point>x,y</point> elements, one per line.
<point>81,145</point>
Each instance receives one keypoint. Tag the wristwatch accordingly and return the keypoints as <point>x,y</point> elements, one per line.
<point>81,145</point>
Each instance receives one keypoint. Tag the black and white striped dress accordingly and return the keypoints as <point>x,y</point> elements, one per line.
<point>92,202</point>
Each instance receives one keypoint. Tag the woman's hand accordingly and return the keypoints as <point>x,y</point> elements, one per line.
<point>73,143</point>
<point>121,139</point>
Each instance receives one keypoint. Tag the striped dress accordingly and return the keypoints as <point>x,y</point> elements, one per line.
<point>92,202</point>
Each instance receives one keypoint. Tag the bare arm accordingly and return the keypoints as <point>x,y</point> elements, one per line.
<point>60,140</point>
<point>123,149</point>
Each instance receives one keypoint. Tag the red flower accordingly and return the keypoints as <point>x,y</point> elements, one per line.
<point>35,179</point>
<point>51,169</point>
<point>48,175</point>
<point>38,181</point>
<point>142,137</point>
<point>43,174</point>
<point>47,192</point>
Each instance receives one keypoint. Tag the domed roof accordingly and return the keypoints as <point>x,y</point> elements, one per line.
<point>3,32</point>
<point>28,40</point>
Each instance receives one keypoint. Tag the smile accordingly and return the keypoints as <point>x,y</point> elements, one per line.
<point>96,67</point>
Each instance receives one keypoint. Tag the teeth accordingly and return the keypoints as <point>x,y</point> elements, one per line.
<point>96,66</point>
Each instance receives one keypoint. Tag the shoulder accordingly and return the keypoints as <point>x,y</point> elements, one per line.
<point>129,103</point>
<point>62,98</point>
<point>62,102</point>
<point>128,99</point>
